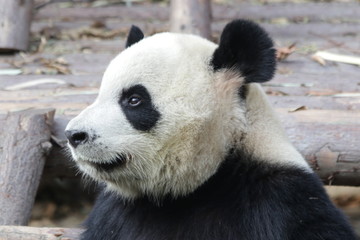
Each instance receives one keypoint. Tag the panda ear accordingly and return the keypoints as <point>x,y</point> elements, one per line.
<point>135,35</point>
<point>247,48</point>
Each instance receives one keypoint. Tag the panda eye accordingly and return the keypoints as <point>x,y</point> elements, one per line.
<point>136,104</point>
<point>134,100</point>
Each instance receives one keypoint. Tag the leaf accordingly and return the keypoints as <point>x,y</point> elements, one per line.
<point>280,21</point>
<point>325,92</point>
<point>298,109</point>
<point>41,47</point>
<point>59,64</point>
<point>276,93</point>
<point>62,61</point>
<point>283,52</point>
<point>92,32</point>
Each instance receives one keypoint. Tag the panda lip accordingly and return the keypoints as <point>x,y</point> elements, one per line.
<point>119,161</point>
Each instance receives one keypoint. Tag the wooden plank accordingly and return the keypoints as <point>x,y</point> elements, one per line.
<point>316,102</point>
<point>308,11</point>
<point>24,142</point>
<point>303,74</point>
<point>328,139</point>
<point>140,12</point>
<point>33,233</point>
<point>316,33</point>
<point>47,95</point>
<point>71,81</point>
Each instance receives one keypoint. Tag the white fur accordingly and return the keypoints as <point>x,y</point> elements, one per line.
<point>265,138</point>
<point>201,118</point>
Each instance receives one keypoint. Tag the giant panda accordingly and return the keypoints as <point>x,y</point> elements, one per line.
<point>187,147</point>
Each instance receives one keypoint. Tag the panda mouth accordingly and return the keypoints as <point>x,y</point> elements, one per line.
<point>119,161</point>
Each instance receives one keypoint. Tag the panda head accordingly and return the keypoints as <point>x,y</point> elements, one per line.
<point>170,108</point>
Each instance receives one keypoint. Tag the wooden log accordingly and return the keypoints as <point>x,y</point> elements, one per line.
<point>24,142</point>
<point>15,20</point>
<point>191,16</point>
<point>328,139</point>
<point>33,233</point>
<point>221,12</point>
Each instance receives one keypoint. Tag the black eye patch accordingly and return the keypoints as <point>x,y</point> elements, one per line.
<point>138,108</point>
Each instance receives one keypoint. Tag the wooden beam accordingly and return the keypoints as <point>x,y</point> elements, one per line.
<point>191,16</point>
<point>328,139</point>
<point>15,20</point>
<point>24,142</point>
<point>33,233</point>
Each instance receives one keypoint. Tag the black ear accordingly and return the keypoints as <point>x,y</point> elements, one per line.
<point>135,35</point>
<point>247,48</point>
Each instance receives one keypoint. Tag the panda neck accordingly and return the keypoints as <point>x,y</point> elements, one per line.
<point>265,139</point>
<point>233,176</point>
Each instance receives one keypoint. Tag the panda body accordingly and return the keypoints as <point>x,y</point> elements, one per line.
<point>188,146</point>
<point>246,201</point>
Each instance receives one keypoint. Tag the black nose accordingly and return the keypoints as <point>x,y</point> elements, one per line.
<point>76,137</point>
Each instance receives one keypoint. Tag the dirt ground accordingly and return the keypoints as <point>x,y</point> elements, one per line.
<point>72,43</point>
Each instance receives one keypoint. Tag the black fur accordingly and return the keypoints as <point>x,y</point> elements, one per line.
<point>243,92</point>
<point>244,46</point>
<point>244,200</point>
<point>135,35</point>
<point>144,116</point>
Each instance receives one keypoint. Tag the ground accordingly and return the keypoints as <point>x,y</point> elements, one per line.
<point>72,43</point>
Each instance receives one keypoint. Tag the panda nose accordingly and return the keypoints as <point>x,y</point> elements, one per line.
<point>76,137</point>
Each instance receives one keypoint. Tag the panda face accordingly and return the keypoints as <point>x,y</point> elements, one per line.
<point>169,111</point>
<point>158,119</point>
